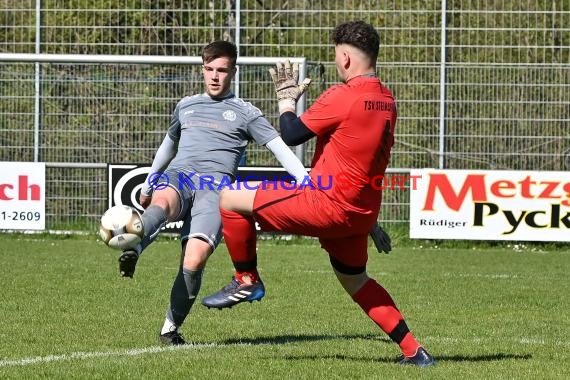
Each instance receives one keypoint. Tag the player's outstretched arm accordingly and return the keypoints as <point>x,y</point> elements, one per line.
<point>285,77</point>
<point>287,159</point>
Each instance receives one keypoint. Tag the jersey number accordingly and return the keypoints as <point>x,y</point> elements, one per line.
<point>384,152</point>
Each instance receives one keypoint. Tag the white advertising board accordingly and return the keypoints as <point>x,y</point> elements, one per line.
<point>490,205</point>
<point>22,195</point>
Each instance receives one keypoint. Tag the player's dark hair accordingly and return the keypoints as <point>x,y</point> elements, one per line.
<point>219,49</point>
<point>360,35</point>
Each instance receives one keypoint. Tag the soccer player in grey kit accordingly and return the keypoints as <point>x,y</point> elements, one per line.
<point>207,136</point>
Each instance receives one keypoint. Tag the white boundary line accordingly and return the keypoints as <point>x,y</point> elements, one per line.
<point>191,346</point>
<point>107,354</point>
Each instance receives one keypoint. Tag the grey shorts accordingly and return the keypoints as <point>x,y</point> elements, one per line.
<point>200,208</point>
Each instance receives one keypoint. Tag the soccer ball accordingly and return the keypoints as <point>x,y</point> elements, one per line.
<point>121,227</point>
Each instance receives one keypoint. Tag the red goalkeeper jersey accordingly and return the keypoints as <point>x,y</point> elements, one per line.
<point>354,124</point>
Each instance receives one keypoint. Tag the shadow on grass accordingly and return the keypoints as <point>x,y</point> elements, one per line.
<point>439,359</point>
<point>284,339</point>
<point>483,358</point>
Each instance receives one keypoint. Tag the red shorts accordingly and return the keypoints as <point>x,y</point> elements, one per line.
<point>343,233</point>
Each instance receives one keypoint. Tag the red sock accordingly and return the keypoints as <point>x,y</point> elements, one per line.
<point>241,238</point>
<point>380,307</point>
<point>249,276</point>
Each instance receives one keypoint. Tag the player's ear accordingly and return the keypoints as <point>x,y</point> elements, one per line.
<point>346,59</point>
<point>342,56</point>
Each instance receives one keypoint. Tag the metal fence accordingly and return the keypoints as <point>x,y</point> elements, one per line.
<point>479,84</point>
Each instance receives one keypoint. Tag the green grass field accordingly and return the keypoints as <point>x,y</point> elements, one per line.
<point>484,313</point>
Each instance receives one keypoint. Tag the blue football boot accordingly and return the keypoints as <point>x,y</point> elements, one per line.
<point>234,293</point>
<point>421,359</point>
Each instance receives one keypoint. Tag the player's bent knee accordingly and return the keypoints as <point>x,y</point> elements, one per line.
<point>352,278</point>
<point>352,282</point>
<point>196,253</point>
<point>169,200</point>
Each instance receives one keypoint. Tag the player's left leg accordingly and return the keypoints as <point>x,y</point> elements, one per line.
<point>185,289</point>
<point>348,257</point>
<point>200,234</point>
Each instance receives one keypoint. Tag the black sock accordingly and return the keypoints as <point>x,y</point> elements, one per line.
<point>183,294</point>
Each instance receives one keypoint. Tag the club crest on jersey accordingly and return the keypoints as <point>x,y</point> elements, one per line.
<point>229,115</point>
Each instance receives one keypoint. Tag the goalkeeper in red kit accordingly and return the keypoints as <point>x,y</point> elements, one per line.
<point>354,126</point>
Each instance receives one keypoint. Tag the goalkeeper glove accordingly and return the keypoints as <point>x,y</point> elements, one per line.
<point>381,239</point>
<point>285,78</point>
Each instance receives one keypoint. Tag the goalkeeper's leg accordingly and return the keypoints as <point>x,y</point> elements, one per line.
<point>348,258</point>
